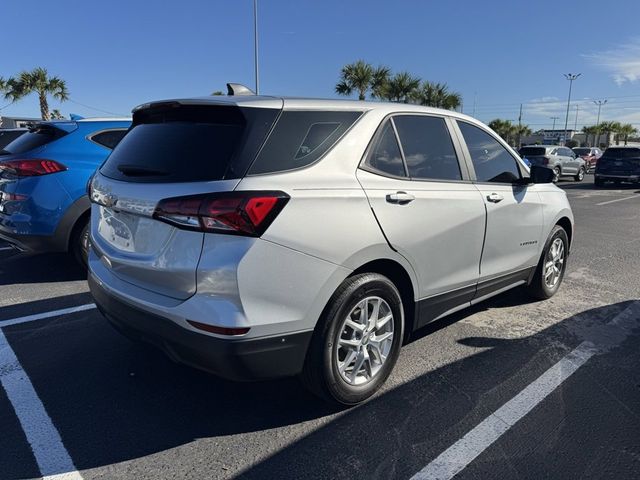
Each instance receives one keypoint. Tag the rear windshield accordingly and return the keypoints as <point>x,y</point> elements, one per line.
<point>300,138</point>
<point>622,153</point>
<point>36,137</point>
<point>189,144</point>
<point>8,136</point>
<point>582,151</point>
<point>532,151</point>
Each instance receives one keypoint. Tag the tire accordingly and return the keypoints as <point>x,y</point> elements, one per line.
<point>580,176</point>
<point>327,355</point>
<point>539,288</point>
<point>80,242</point>
<point>556,174</point>
<point>598,182</point>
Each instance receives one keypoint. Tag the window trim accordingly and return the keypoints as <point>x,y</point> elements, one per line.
<point>524,173</point>
<point>448,120</point>
<point>98,132</point>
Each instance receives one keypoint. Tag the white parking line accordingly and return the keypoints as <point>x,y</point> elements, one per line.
<point>40,316</point>
<point>618,200</point>
<point>2,249</point>
<point>453,460</point>
<point>52,457</point>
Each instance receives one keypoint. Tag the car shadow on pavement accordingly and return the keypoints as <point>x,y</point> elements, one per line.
<point>42,268</point>
<point>113,401</point>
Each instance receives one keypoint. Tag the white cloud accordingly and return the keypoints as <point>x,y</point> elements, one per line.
<point>622,62</point>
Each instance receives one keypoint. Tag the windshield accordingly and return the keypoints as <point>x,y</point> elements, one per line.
<point>582,151</point>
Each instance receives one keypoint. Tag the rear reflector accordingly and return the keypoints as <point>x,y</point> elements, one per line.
<point>32,167</point>
<point>238,213</point>
<point>219,330</point>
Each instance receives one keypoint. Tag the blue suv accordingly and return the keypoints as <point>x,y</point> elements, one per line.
<point>43,178</point>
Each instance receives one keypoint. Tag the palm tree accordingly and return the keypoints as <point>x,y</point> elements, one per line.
<point>401,87</point>
<point>380,81</point>
<point>432,94</point>
<point>504,128</point>
<point>608,128</point>
<point>627,130</point>
<point>356,76</point>
<point>38,81</point>
<point>589,130</point>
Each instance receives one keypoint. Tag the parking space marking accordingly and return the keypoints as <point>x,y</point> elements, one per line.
<point>453,460</point>
<point>40,316</point>
<point>51,456</point>
<point>2,249</point>
<point>617,200</point>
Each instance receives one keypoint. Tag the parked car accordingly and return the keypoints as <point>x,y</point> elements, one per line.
<point>618,164</point>
<point>562,160</point>
<point>590,155</point>
<point>8,135</point>
<point>43,179</point>
<point>260,237</point>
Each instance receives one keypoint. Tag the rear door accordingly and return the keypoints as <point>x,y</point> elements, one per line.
<point>170,151</point>
<point>514,211</point>
<point>426,207</point>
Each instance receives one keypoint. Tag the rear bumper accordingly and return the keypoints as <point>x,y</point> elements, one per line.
<point>233,359</point>
<point>632,177</point>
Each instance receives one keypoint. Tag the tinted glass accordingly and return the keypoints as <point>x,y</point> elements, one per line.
<point>582,151</point>
<point>428,150</point>
<point>385,156</point>
<point>532,151</point>
<point>622,153</point>
<point>299,138</point>
<point>8,136</point>
<point>109,138</point>
<point>34,138</point>
<point>491,161</point>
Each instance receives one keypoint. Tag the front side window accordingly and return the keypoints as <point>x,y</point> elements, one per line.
<point>491,161</point>
<point>427,147</point>
<point>384,155</point>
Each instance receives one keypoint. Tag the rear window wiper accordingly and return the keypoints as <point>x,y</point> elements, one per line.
<point>141,171</point>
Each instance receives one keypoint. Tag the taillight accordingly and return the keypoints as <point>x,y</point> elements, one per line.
<point>32,167</point>
<point>237,213</point>
<point>545,161</point>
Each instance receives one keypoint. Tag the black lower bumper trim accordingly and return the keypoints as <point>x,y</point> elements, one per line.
<point>233,359</point>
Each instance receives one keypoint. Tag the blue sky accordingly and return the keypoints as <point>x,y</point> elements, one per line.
<point>117,54</point>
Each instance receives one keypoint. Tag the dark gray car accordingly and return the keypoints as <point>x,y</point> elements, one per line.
<point>562,160</point>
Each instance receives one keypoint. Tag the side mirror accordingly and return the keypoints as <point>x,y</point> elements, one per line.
<point>540,174</point>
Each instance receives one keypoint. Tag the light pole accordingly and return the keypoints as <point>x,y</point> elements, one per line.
<point>571,77</point>
<point>599,103</point>
<point>554,122</point>
<point>255,43</point>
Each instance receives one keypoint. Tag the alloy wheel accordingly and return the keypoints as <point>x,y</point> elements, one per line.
<point>554,263</point>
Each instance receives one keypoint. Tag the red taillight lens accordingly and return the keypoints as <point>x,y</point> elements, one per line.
<point>545,161</point>
<point>239,213</point>
<point>32,167</point>
<point>219,330</point>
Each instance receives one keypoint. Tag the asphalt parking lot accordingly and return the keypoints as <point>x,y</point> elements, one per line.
<point>508,389</point>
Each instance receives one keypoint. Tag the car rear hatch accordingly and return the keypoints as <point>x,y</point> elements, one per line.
<point>620,161</point>
<point>536,155</point>
<point>174,149</point>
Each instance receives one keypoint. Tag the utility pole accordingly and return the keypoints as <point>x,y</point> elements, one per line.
<point>554,122</point>
<point>475,98</point>
<point>255,44</point>
<point>520,127</point>
<point>575,127</point>
<point>599,103</point>
<point>571,77</point>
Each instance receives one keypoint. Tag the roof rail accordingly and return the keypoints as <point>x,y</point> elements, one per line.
<point>238,89</point>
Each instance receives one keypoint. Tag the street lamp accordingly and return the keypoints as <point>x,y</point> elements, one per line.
<point>599,103</point>
<point>571,77</point>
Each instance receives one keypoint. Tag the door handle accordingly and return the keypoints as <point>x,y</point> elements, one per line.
<point>495,198</point>
<point>400,198</point>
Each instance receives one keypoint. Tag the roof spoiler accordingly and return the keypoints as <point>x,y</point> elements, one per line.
<point>238,89</point>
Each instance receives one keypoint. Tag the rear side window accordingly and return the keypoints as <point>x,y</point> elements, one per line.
<point>384,156</point>
<point>428,150</point>
<point>532,151</point>
<point>491,161</point>
<point>177,143</point>
<point>299,138</point>
<point>109,138</point>
<point>36,137</point>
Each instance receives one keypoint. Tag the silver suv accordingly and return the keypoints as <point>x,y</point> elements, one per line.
<point>258,237</point>
<point>562,160</point>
